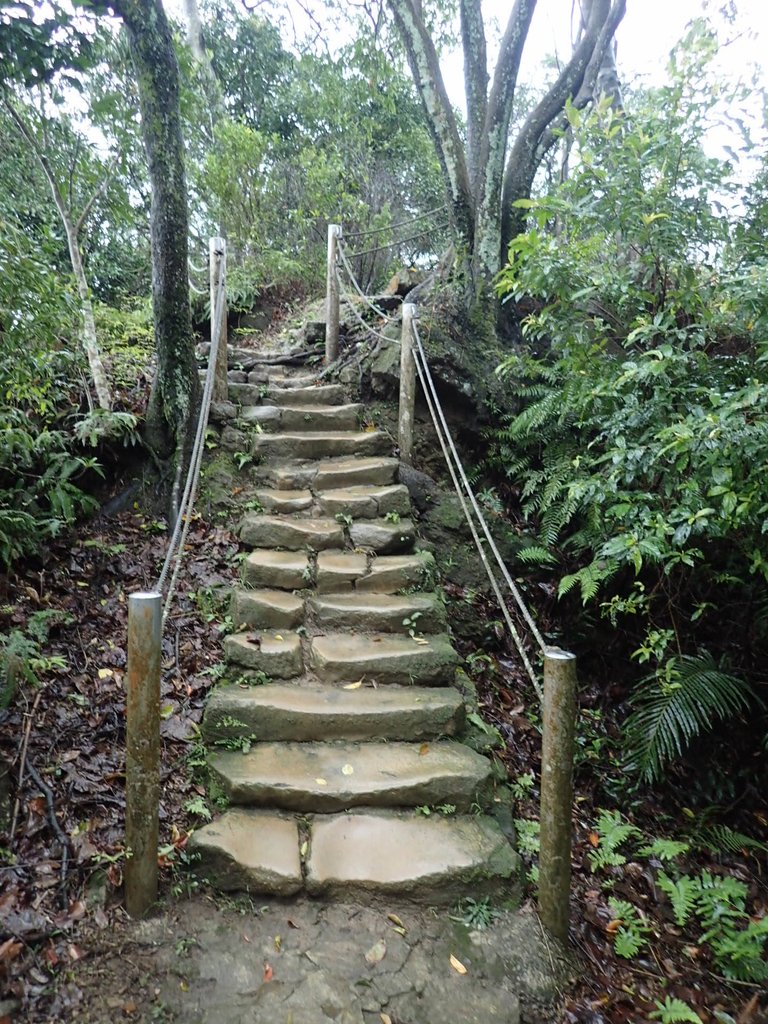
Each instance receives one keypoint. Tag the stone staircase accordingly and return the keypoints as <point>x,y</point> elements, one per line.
<point>339,747</point>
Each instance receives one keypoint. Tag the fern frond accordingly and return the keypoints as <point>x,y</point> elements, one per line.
<point>536,555</point>
<point>722,839</point>
<point>682,893</point>
<point>668,715</point>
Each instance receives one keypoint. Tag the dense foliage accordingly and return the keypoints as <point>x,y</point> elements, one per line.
<point>640,444</point>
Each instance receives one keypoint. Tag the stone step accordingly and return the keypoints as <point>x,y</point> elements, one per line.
<point>287,570</point>
<point>304,417</point>
<point>277,655</point>
<point>308,445</point>
<point>259,531</point>
<point>245,394</point>
<point>311,711</point>
<point>250,851</point>
<point>383,658</point>
<point>332,473</point>
<point>280,380</point>
<point>285,502</point>
<point>382,536</point>
<point>366,502</point>
<point>432,860</point>
<point>320,394</point>
<point>266,609</point>
<point>322,777</point>
<point>383,613</point>
<point>338,571</point>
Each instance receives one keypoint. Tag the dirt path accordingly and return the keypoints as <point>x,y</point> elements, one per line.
<point>305,962</point>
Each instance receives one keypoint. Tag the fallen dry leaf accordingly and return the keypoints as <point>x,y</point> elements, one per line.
<point>385,1018</point>
<point>321,782</point>
<point>423,749</point>
<point>457,965</point>
<point>347,769</point>
<point>278,943</point>
<point>268,972</point>
<point>395,920</point>
<point>377,952</point>
<point>354,686</point>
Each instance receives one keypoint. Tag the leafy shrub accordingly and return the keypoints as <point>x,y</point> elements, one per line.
<point>640,445</point>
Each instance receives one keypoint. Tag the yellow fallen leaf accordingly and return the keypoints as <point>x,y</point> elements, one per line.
<point>354,686</point>
<point>398,929</point>
<point>423,749</point>
<point>278,942</point>
<point>321,782</point>
<point>105,673</point>
<point>303,853</point>
<point>457,965</point>
<point>395,920</point>
<point>420,640</point>
<point>385,1018</point>
<point>278,637</point>
<point>347,769</point>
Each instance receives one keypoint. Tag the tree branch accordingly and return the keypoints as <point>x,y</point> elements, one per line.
<point>475,79</point>
<point>425,67</point>
<point>538,134</point>
<point>101,185</point>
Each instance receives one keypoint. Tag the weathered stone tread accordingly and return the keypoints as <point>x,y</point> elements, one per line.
<point>266,609</point>
<point>287,570</point>
<point>277,654</point>
<point>260,531</point>
<point>318,445</point>
<point>365,501</point>
<point>387,613</point>
<point>311,711</point>
<point>435,859</point>
<point>383,658</point>
<point>382,536</point>
<point>250,850</point>
<point>323,777</point>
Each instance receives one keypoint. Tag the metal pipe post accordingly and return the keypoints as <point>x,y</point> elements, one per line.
<point>142,761</point>
<point>217,251</point>
<point>407,383</point>
<point>558,729</point>
<point>332,298</point>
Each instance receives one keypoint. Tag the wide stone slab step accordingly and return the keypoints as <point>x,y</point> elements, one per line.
<point>383,613</point>
<point>322,777</point>
<point>329,444</point>
<point>277,655</point>
<point>304,417</point>
<point>383,658</point>
<point>310,711</point>
<point>286,570</point>
<point>266,609</point>
<point>279,380</point>
<point>383,536</point>
<point>259,531</point>
<point>245,394</point>
<point>365,501</point>
<point>340,572</point>
<point>320,394</point>
<point>431,860</point>
<point>247,850</point>
<point>285,502</point>
<point>332,473</point>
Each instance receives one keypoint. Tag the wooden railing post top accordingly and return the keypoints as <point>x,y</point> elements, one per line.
<point>558,654</point>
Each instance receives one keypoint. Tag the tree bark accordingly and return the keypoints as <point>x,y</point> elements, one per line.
<point>483,182</point>
<point>176,388</point>
<point>72,230</point>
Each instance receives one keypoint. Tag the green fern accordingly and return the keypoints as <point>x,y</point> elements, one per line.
<point>535,554</point>
<point>674,1011</point>
<point>629,938</point>
<point>722,839</point>
<point>613,832</point>
<point>669,713</point>
<point>664,849</point>
<point>683,894</point>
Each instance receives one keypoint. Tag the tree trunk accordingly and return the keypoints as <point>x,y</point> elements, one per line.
<point>176,388</point>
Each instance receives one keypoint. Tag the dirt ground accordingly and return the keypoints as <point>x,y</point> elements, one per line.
<point>214,961</point>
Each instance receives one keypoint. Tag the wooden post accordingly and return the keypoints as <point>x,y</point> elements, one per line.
<point>332,298</point>
<point>558,728</point>
<point>142,761</point>
<point>217,251</point>
<point>407,383</point>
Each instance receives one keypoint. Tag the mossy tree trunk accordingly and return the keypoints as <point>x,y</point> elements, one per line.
<point>484,179</point>
<point>174,399</point>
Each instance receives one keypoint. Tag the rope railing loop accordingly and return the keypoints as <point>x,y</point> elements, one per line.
<point>397,241</point>
<point>183,520</point>
<point>399,224</point>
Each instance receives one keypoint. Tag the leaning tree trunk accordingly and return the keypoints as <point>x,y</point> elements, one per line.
<point>176,387</point>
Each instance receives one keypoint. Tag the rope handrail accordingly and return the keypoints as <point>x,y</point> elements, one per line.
<point>183,520</point>
<point>399,224</point>
<point>350,273</point>
<point>195,269</point>
<point>350,301</point>
<point>450,454</point>
<point>514,590</point>
<point>398,241</point>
